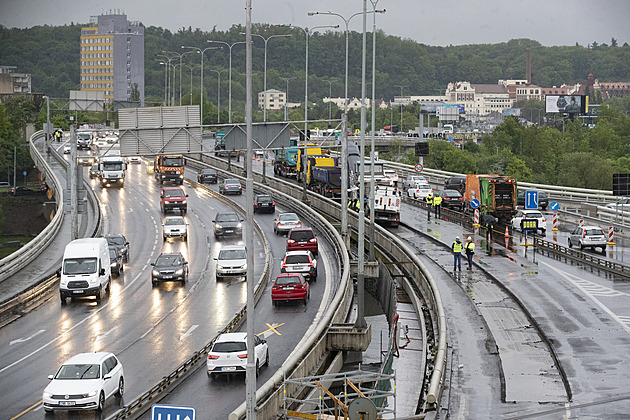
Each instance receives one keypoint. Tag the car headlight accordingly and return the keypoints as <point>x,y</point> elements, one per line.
<point>155,273</point>
<point>91,394</point>
<point>240,225</point>
<point>179,272</point>
<point>47,395</point>
<point>181,176</point>
<point>218,226</point>
<point>184,202</point>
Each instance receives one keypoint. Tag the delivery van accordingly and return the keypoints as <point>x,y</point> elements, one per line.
<point>86,269</point>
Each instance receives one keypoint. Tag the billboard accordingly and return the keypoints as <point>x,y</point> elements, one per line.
<point>569,104</point>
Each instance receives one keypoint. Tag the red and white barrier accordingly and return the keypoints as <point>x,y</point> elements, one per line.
<point>555,222</point>
<point>581,222</point>
<point>611,233</point>
<point>476,220</point>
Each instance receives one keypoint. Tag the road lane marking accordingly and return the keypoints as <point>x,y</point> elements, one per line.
<point>272,329</point>
<point>27,410</point>
<point>188,333</point>
<point>22,340</point>
<point>102,335</point>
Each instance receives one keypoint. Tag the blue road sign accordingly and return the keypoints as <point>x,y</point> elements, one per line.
<point>474,203</point>
<point>531,200</point>
<point>554,205</point>
<point>266,155</point>
<point>451,139</point>
<point>171,412</point>
<point>24,173</point>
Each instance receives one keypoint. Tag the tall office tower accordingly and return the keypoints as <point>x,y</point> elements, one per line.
<point>112,58</point>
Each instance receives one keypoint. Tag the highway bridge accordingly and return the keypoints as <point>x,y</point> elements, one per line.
<point>522,335</point>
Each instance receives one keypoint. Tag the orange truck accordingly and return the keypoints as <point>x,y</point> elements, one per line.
<point>496,195</point>
<point>169,168</point>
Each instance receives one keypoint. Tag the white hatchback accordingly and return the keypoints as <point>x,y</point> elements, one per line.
<point>84,382</point>
<point>175,227</point>
<point>419,191</point>
<point>231,262</point>
<point>229,354</point>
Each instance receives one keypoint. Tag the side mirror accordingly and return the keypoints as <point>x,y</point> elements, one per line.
<point>153,264</point>
<point>107,377</point>
<point>185,262</point>
<point>102,273</point>
<point>216,259</point>
<point>50,377</point>
<point>186,195</point>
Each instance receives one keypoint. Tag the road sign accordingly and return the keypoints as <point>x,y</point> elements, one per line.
<point>529,224</point>
<point>266,155</point>
<point>24,173</point>
<point>531,200</point>
<point>554,205</point>
<point>171,412</point>
<point>419,167</point>
<point>474,203</point>
<point>451,139</point>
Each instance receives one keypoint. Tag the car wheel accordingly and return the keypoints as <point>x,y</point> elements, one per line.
<point>121,387</point>
<point>581,246</point>
<point>543,231</point>
<point>267,358</point>
<point>257,369</point>
<point>570,244</point>
<point>274,303</point>
<point>186,238</point>
<point>122,268</point>
<point>101,402</point>
<point>99,294</point>
<point>164,238</point>
<point>63,299</point>
<point>153,283</point>
<point>126,257</point>
<point>304,301</point>
<point>315,276</point>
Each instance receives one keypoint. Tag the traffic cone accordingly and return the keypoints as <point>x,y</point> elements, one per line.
<point>507,233</point>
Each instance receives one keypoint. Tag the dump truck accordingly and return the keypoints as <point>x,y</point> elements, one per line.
<point>285,163</point>
<point>496,194</point>
<point>169,168</point>
<point>326,180</point>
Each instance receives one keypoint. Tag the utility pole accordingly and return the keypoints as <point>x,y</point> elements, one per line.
<point>74,202</point>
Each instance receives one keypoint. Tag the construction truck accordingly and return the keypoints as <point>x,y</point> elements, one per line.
<point>285,163</point>
<point>325,180</point>
<point>496,194</point>
<point>169,168</point>
<point>305,166</point>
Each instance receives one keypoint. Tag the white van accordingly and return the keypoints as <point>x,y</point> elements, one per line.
<point>86,269</point>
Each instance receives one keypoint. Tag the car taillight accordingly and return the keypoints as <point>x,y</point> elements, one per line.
<point>291,241</point>
<point>284,265</point>
<point>212,357</point>
<point>242,356</point>
<point>584,234</point>
<point>312,241</point>
<point>300,286</point>
<point>273,203</point>
<point>446,198</point>
<point>544,220</point>
<point>255,203</point>
<point>311,265</point>
<point>299,223</point>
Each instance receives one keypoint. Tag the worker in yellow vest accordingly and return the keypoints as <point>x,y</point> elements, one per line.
<point>470,251</point>
<point>437,205</point>
<point>457,254</point>
<point>429,200</point>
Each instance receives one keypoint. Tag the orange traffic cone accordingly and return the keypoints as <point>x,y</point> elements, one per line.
<point>507,233</point>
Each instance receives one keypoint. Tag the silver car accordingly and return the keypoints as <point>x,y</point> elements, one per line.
<point>175,227</point>
<point>231,186</point>
<point>231,262</point>
<point>588,237</point>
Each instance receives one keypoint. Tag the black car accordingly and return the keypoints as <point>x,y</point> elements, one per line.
<point>121,244</point>
<point>207,175</point>
<point>115,260</point>
<point>228,223</point>
<point>457,182</point>
<point>543,199</point>
<point>452,199</point>
<point>169,267</point>
<point>22,191</point>
<point>264,202</point>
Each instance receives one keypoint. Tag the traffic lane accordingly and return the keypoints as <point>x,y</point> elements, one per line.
<point>134,304</point>
<point>283,327</point>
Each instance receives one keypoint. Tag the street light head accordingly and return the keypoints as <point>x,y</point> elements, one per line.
<point>313,13</point>
<point>380,11</point>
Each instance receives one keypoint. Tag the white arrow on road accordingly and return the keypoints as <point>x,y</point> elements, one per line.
<point>188,333</point>
<point>21,340</point>
<point>103,335</point>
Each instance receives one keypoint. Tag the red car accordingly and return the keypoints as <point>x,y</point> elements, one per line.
<point>173,198</point>
<point>290,286</point>
<point>302,239</point>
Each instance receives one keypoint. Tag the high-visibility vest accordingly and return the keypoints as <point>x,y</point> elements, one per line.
<point>457,247</point>
<point>429,199</point>
<point>471,245</point>
<point>437,200</point>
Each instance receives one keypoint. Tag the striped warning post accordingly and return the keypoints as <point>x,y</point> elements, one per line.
<point>555,222</point>
<point>476,220</point>
<point>611,232</point>
<point>581,222</point>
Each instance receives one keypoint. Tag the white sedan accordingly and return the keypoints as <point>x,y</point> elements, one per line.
<point>420,191</point>
<point>134,159</point>
<point>529,214</point>
<point>229,354</point>
<point>175,227</point>
<point>84,382</point>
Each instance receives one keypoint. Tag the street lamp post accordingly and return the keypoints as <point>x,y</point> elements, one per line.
<point>200,51</point>
<point>371,254</point>
<point>265,69</point>
<point>169,85</point>
<point>286,99</point>
<point>401,112</point>
<point>329,101</point>
<point>218,72</point>
<point>230,75</point>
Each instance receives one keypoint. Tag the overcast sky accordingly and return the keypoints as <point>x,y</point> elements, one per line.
<point>432,22</point>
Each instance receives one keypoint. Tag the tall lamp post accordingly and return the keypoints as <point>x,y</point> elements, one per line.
<point>401,113</point>
<point>329,101</point>
<point>218,72</point>
<point>200,51</point>
<point>169,85</point>
<point>230,74</point>
<point>180,55</point>
<point>344,138</point>
<point>286,99</point>
<point>372,256</point>
<point>265,68</point>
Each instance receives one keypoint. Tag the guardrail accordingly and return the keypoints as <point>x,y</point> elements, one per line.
<point>17,260</point>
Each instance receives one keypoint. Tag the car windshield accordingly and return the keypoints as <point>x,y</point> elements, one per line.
<point>591,232</point>
<point>264,199</point>
<point>79,266</point>
<point>112,254</point>
<point>281,281</point>
<point>227,217</point>
<point>115,240</point>
<point>112,166</point>
<point>451,194</point>
<point>229,347</point>
<point>288,217</point>
<point>167,261</point>
<point>174,221</point>
<point>232,182</point>
<point>301,235</point>
<point>208,172</point>
<point>232,254</point>
<point>297,259</point>
<point>532,215</point>
<point>173,193</point>
<point>79,372</point>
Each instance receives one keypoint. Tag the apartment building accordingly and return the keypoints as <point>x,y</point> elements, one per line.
<point>274,99</point>
<point>12,82</point>
<point>112,58</point>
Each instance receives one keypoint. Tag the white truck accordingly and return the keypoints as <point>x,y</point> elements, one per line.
<point>112,170</point>
<point>85,270</point>
<point>387,205</point>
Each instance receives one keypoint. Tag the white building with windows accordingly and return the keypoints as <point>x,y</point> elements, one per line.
<point>275,99</point>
